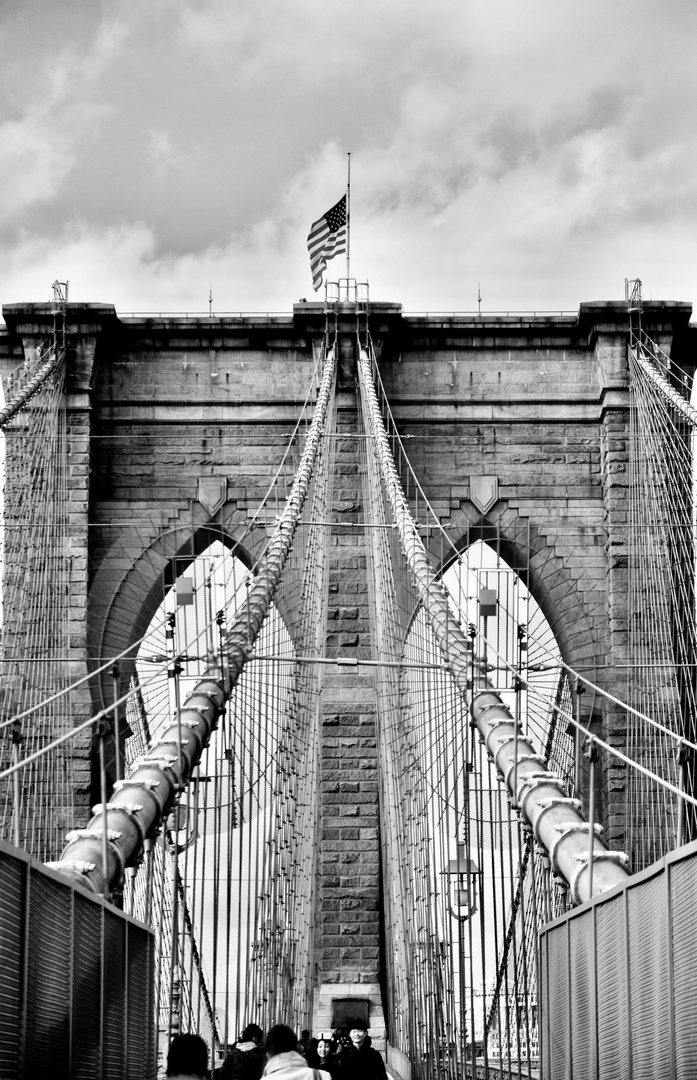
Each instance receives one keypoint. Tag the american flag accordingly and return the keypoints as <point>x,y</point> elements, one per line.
<point>327,238</point>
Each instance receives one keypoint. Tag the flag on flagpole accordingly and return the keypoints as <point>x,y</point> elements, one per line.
<point>327,238</point>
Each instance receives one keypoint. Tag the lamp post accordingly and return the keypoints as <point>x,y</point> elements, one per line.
<point>462,873</point>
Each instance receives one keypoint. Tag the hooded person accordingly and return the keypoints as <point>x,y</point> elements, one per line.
<point>247,1058</point>
<point>360,1061</point>
<point>285,1063</point>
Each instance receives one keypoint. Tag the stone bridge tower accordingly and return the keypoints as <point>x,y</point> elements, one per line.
<point>176,426</point>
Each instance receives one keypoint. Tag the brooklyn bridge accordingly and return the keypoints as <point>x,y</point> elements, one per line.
<point>349,669</point>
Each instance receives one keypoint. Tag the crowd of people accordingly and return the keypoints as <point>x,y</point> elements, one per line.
<point>336,1055</point>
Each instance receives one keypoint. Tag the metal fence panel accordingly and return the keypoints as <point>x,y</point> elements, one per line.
<point>114,983</point>
<point>12,891</point>
<point>559,1031</point>
<point>582,989</point>
<point>683,944</point>
<point>140,1004</point>
<point>48,965</point>
<point>614,1060</point>
<point>640,965</point>
<point>543,1009</point>
<point>67,984</point>
<point>86,995</point>
<point>648,973</point>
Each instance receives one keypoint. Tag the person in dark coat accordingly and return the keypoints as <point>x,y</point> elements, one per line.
<point>247,1058</point>
<point>360,1061</point>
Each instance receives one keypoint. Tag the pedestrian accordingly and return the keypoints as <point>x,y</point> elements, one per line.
<point>247,1058</point>
<point>304,1042</point>
<point>360,1061</point>
<point>285,1063</point>
<point>322,1054</point>
<point>187,1058</point>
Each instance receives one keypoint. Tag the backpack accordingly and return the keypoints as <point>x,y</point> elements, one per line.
<point>244,1064</point>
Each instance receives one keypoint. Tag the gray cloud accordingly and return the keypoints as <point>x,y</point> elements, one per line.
<point>537,145</point>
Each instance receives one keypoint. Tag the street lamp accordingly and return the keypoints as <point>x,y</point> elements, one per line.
<point>462,884</point>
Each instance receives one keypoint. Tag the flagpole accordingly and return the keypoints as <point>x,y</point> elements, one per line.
<point>348,221</point>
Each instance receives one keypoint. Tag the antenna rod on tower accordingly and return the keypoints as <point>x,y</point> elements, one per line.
<point>210,299</point>
<point>348,220</point>
<point>479,298</point>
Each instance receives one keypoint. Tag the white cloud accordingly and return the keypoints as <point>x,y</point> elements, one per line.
<point>538,147</point>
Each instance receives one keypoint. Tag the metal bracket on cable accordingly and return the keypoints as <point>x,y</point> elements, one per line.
<point>566,800</point>
<point>201,709</point>
<point>80,866</point>
<point>567,830</point>
<point>128,808</point>
<point>616,858</point>
<point>582,827</point>
<point>77,834</point>
<point>145,783</point>
<point>484,709</point>
<point>167,742</point>
<point>501,739</point>
<point>619,857</point>
<point>539,779</point>
<point>131,810</point>
<point>524,777</point>
<point>532,757</point>
<point>154,762</point>
<point>112,835</point>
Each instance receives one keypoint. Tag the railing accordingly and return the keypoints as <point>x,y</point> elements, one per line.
<point>280,316</point>
<point>341,297</point>
<point>617,979</point>
<point>63,1011</point>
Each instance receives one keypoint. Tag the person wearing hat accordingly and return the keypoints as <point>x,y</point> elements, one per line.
<point>360,1061</point>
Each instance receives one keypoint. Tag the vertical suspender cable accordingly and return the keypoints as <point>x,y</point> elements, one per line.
<point>555,819</point>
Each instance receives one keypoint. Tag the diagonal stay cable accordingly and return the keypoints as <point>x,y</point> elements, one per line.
<point>557,825</point>
<point>140,804</point>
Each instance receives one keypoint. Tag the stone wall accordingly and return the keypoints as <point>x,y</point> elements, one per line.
<point>348,937</point>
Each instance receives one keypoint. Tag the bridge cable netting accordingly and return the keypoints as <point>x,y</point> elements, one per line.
<point>230,884</point>
<point>467,882</point>
<point>662,676</point>
<point>37,562</point>
<point>215,823</point>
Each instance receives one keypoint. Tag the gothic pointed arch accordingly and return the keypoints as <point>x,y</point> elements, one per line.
<point>568,596</point>
<point>130,583</point>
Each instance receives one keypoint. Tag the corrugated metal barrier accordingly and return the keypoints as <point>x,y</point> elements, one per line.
<point>76,979</point>
<point>618,980</point>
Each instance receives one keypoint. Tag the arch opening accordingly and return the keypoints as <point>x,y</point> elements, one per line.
<point>202,886</point>
<point>517,641</point>
<point>467,858</point>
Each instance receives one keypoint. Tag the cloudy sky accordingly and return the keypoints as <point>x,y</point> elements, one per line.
<point>545,149</point>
